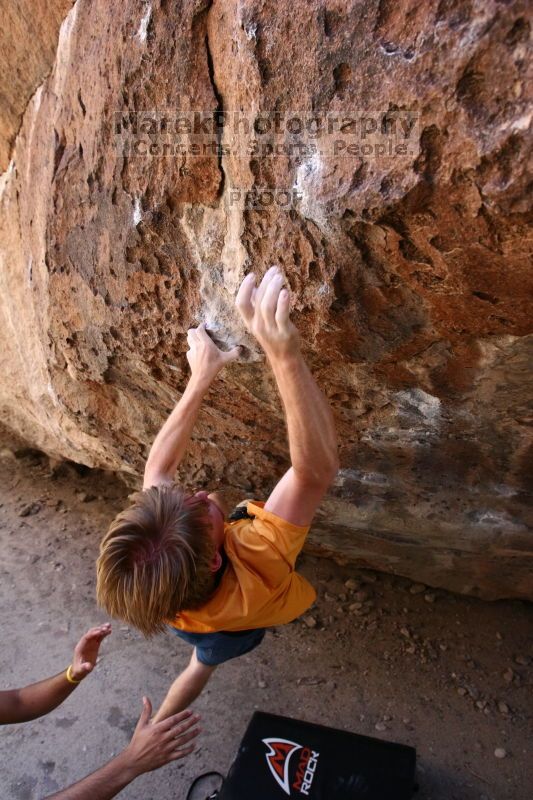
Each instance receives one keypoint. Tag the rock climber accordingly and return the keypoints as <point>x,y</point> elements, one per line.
<point>173,560</point>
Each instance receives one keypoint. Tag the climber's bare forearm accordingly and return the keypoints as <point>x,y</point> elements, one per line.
<point>311,429</point>
<point>205,360</point>
<point>171,442</point>
<point>312,440</point>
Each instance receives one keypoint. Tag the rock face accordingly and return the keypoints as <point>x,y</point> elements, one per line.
<point>28,41</point>
<point>175,146</point>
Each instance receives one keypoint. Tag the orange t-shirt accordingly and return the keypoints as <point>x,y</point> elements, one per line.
<point>259,587</point>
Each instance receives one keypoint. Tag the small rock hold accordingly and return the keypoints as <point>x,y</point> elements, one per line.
<point>522,660</point>
<point>30,510</point>
<point>380,726</point>
<point>351,584</point>
<point>500,752</point>
<point>508,675</point>
<point>417,588</point>
<point>261,684</point>
<point>503,708</point>
<point>310,680</point>
<point>462,691</point>
<point>429,597</point>
<point>310,621</point>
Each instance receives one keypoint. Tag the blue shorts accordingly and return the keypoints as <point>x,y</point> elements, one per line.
<point>213,649</point>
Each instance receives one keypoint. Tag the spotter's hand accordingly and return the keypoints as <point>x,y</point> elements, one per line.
<point>155,744</point>
<point>86,651</point>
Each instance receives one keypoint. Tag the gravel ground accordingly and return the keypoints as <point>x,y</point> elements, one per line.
<point>377,655</point>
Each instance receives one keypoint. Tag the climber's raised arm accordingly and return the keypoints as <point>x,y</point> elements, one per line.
<point>205,360</point>
<point>311,430</point>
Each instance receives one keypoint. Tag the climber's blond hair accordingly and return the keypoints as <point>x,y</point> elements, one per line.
<point>155,559</point>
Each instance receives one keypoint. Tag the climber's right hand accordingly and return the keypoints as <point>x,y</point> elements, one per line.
<point>265,311</point>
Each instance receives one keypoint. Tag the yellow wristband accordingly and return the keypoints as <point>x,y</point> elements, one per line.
<point>68,676</point>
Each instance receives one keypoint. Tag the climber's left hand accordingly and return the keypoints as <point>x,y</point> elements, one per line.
<point>204,357</point>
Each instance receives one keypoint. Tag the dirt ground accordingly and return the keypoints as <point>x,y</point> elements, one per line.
<point>449,675</point>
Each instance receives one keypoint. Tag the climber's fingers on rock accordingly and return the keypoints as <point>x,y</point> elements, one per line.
<point>231,355</point>
<point>263,286</point>
<point>243,301</point>
<point>283,309</point>
<point>202,334</point>
<point>192,336</point>
<point>269,302</point>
